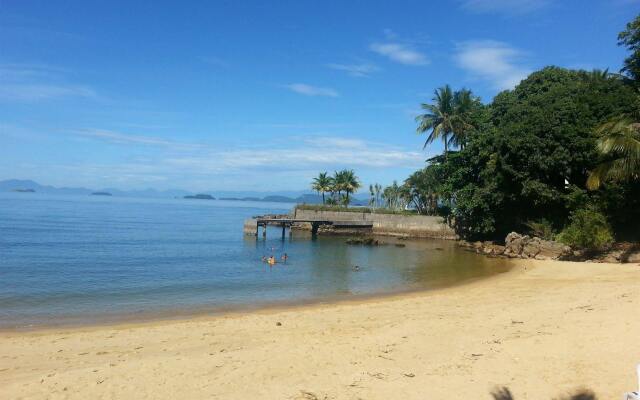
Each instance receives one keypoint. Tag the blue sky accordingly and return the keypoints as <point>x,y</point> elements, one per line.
<point>255,95</point>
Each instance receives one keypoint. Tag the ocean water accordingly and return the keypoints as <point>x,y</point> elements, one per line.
<point>75,260</point>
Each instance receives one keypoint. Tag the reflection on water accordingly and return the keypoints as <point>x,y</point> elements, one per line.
<point>76,260</point>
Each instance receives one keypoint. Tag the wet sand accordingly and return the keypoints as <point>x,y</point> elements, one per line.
<point>543,329</point>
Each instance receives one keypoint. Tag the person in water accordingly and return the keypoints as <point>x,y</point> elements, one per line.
<point>285,257</point>
<point>272,260</point>
<point>264,258</point>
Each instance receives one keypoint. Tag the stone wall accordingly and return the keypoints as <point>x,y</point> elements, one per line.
<point>387,224</point>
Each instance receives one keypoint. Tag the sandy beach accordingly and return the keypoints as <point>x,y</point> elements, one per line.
<point>543,329</point>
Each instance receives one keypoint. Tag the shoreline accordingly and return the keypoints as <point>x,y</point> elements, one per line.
<point>203,313</point>
<point>544,328</point>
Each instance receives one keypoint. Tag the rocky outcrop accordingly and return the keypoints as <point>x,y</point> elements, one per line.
<point>522,246</point>
<point>525,246</point>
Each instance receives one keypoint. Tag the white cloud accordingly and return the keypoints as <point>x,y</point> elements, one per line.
<point>27,83</point>
<point>492,61</point>
<point>509,7</point>
<point>316,152</point>
<point>357,70</point>
<point>300,152</point>
<point>308,90</point>
<point>125,138</point>
<point>399,52</point>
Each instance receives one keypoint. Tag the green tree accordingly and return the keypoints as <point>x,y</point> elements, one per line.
<point>537,145</point>
<point>619,141</point>
<point>375,192</point>
<point>424,189</point>
<point>630,38</point>
<point>323,183</point>
<point>395,196</point>
<point>350,183</point>
<point>449,117</point>
<point>338,183</point>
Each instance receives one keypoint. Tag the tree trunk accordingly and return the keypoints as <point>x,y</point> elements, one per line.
<point>323,198</point>
<point>446,145</point>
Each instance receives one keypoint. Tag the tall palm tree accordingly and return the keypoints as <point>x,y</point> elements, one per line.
<point>322,183</point>
<point>350,182</point>
<point>620,140</point>
<point>338,182</point>
<point>448,118</point>
<point>464,103</point>
<point>437,117</point>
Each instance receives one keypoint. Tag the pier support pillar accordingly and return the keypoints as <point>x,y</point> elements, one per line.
<point>264,231</point>
<point>284,228</point>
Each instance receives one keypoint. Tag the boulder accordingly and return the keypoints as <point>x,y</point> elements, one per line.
<point>514,243</point>
<point>524,246</point>
<point>492,249</point>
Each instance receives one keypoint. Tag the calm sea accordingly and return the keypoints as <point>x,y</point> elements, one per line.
<point>75,260</point>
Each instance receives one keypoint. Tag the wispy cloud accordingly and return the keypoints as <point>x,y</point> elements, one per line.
<point>507,7</point>
<point>360,70</point>
<point>308,90</point>
<point>299,152</point>
<point>28,83</point>
<point>400,53</point>
<point>492,61</point>
<point>125,138</point>
<point>315,152</point>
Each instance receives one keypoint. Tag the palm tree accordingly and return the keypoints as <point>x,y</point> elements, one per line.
<point>322,183</point>
<point>620,140</point>
<point>449,115</point>
<point>338,182</point>
<point>464,103</point>
<point>395,196</point>
<point>374,193</point>
<point>350,182</point>
<point>437,117</point>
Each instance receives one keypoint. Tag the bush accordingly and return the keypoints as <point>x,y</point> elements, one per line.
<point>588,229</point>
<point>542,229</point>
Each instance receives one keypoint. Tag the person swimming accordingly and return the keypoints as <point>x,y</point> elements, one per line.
<point>285,257</point>
<point>356,268</point>
<point>271,260</point>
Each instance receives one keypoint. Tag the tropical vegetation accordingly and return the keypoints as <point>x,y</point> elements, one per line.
<point>557,156</point>
<point>559,153</point>
<point>344,181</point>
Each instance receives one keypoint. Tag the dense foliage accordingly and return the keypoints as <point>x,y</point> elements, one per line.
<point>588,229</point>
<point>526,157</point>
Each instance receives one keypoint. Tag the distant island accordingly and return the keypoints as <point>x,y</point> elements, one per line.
<point>101,194</point>
<point>294,196</point>
<point>200,197</point>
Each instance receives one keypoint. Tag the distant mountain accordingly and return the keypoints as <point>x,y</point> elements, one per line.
<point>200,197</point>
<point>21,185</point>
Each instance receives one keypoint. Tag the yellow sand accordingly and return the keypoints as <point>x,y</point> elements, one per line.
<point>543,329</point>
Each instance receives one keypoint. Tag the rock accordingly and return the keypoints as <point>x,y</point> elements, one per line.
<point>493,249</point>
<point>524,246</point>
<point>514,243</point>
<point>530,248</point>
<point>363,241</point>
<point>633,257</point>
